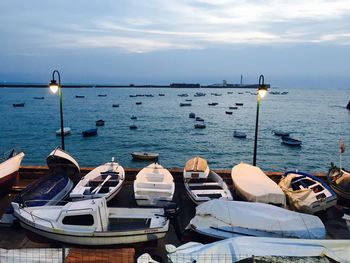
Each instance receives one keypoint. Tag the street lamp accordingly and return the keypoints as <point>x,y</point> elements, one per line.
<point>262,90</point>
<point>54,86</point>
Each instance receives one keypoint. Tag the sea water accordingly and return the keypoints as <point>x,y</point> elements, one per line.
<point>317,117</point>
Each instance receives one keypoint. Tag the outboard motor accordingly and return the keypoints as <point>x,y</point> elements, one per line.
<point>171,211</point>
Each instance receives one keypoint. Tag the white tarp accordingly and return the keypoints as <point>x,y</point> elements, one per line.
<point>32,255</point>
<point>239,248</point>
<point>226,219</point>
<point>255,186</point>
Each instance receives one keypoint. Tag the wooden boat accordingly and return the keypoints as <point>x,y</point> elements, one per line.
<point>223,219</point>
<point>306,193</point>
<point>145,156</point>
<point>104,181</point>
<point>66,131</point>
<point>228,112</point>
<point>290,141</point>
<point>239,104</point>
<point>253,185</point>
<point>9,167</point>
<point>51,188</point>
<point>91,222</point>
<point>115,105</point>
<point>89,133</point>
<point>202,184</point>
<point>153,186</point>
<point>192,115</point>
<point>280,133</point>
<point>79,96</point>
<point>100,122</point>
<point>16,105</point>
<point>238,134</point>
<point>200,126</point>
<point>339,181</point>
<point>183,104</point>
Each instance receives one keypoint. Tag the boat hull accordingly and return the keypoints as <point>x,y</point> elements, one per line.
<point>6,182</point>
<point>144,156</point>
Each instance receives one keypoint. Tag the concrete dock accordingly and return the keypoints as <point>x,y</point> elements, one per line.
<point>11,238</point>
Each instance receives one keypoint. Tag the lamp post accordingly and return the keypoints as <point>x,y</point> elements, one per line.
<point>262,90</point>
<point>54,86</point>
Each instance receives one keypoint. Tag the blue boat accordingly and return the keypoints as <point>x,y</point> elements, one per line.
<point>89,133</point>
<point>51,188</point>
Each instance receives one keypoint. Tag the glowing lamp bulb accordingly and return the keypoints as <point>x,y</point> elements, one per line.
<point>262,93</point>
<point>53,86</point>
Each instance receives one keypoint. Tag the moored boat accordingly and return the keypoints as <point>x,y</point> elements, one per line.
<point>66,131</point>
<point>91,222</point>
<point>39,98</point>
<point>133,127</point>
<point>228,112</point>
<point>138,103</point>
<point>253,185</point>
<point>184,104</point>
<point>115,105</point>
<point>102,95</point>
<point>149,156</point>
<point>192,115</point>
<point>16,105</point>
<point>280,133</point>
<point>9,170</point>
<point>79,96</point>
<point>290,141</point>
<point>238,134</point>
<point>233,108</point>
<point>339,181</point>
<point>202,184</point>
<point>89,133</point>
<point>239,104</point>
<point>104,181</point>
<point>200,126</point>
<point>306,193</point>
<point>100,122</point>
<point>154,186</point>
<point>223,219</point>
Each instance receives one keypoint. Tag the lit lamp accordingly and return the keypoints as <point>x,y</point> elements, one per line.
<point>262,90</point>
<point>54,87</point>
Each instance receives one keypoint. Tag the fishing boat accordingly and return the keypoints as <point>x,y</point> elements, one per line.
<point>16,105</point>
<point>253,185</point>
<point>66,131</point>
<point>148,156</point>
<point>200,126</point>
<point>91,222</point>
<point>339,181</point>
<point>184,104</point>
<point>192,115</point>
<point>9,167</point>
<point>280,133</point>
<point>290,141</point>
<point>307,193</point>
<point>238,134</point>
<point>260,249</point>
<point>100,122</point>
<point>223,219</point>
<point>89,133</point>
<point>153,186</point>
<point>203,184</point>
<point>51,188</point>
<point>104,181</point>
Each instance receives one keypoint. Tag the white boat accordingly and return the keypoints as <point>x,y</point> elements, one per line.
<point>339,181</point>
<point>249,249</point>
<point>225,219</point>
<point>104,181</point>
<point>202,184</point>
<point>9,169</point>
<point>153,185</point>
<point>290,141</point>
<point>91,222</point>
<point>306,193</point>
<point>144,155</point>
<point>238,134</point>
<point>66,131</point>
<point>253,185</point>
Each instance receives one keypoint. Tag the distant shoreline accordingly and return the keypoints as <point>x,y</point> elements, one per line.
<point>29,85</point>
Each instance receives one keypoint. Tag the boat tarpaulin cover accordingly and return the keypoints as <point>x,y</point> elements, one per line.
<point>239,248</point>
<point>255,186</point>
<point>225,219</point>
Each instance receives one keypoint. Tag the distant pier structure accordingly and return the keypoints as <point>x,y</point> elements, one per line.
<point>184,85</point>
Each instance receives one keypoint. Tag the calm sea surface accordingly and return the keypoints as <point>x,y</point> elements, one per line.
<point>316,116</point>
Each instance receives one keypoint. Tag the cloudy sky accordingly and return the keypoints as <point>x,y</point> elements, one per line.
<point>291,42</point>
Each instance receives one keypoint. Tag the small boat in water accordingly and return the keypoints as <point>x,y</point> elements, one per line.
<point>133,127</point>
<point>89,133</point>
<point>184,104</point>
<point>238,134</point>
<point>339,181</point>
<point>213,104</point>
<point>79,96</point>
<point>239,104</point>
<point>161,94</point>
<point>102,95</point>
<point>192,115</point>
<point>138,103</point>
<point>280,133</point>
<point>183,95</point>
<point>51,188</point>
<point>145,156</point>
<point>100,123</point>
<point>188,100</point>
<point>17,105</point>
<point>115,105</point>
<point>133,117</point>
<point>154,186</point>
<point>91,222</point>
<point>253,185</point>
<point>290,141</point>
<point>233,108</point>
<point>202,184</point>
<point>104,181</point>
<point>200,126</point>
<point>199,119</point>
<point>9,167</point>
<point>66,131</point>
<point>39,98</point>
<point>307,193</point>
<point>223,219</point>
<point>228,112</point>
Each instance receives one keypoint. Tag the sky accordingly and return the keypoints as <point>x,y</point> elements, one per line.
<point>293,43</point>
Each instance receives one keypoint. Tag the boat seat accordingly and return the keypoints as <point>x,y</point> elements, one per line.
<point>112,174</point>
<point>205,186</point>
<point>210,193</point>
<point>109,183</point>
